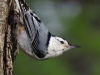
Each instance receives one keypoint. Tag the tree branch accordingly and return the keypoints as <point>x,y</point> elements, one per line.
<point>8,44</point>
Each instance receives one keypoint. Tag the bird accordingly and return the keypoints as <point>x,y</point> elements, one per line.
<point>35,39</point>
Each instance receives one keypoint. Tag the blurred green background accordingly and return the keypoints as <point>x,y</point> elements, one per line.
<point>78,21</point>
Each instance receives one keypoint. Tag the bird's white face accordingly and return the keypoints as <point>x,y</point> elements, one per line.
<point>57,46</point>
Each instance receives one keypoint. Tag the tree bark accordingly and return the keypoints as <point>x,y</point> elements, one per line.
<point>8,44</point>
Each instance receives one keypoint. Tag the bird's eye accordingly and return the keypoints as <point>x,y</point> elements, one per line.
<point>62,42</point>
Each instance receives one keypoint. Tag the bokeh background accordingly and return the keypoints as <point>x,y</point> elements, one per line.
<point>78,21</point>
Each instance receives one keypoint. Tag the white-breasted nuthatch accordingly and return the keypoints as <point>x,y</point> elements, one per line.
<point>35,39</point>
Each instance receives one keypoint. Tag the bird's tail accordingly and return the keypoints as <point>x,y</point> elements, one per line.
<point>23,6</point>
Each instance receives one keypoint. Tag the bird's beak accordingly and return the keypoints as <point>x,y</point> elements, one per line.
<point>75,46</point>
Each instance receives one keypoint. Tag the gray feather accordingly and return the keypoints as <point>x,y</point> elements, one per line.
<point>36,30</point>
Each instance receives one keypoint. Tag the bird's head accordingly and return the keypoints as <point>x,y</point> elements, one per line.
<point>57,46</point>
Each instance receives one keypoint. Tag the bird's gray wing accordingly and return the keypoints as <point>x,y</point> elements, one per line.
<point>27,18</point>
<point>36,30</point>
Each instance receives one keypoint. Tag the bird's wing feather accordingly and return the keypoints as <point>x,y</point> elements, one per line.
<point>36,30</point>
<point>27,18</point>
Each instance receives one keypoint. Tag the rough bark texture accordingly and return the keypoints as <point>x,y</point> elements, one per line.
<point>8,44</point>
